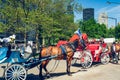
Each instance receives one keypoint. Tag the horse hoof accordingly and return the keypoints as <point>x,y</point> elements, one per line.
<point>48,76</point>
<point>69,74</point>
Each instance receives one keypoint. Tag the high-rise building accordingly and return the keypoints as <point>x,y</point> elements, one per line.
<point>103,19</point>
<point>88,13</point>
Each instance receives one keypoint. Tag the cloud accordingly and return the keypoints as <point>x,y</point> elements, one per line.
<point>114,10</point>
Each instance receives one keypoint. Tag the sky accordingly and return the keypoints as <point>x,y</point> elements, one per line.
<point>101,6</point>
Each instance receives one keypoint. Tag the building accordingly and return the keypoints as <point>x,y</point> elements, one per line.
<point>88,13</point>
<point>103,19</point>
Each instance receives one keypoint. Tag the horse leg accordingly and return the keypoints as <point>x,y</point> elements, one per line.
<point>40,73</point>
<point>40,70</point>
<point>69,59</point>
<point>45,63</point>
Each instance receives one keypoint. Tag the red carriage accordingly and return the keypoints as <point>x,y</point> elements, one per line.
<point>99,52</point>
<point>95,52</point>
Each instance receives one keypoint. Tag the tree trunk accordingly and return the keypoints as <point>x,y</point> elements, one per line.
<point>43,41</point>
<point>37,42</point>
<point>25,36</point>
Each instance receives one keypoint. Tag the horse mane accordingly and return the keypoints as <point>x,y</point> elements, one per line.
<point>74,45</point>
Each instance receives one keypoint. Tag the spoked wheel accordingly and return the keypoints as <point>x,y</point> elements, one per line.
<point>86,60</point>
<point>105,58</point>
<point>15,72</point>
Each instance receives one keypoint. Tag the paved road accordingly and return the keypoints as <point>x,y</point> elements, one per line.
<point>96,72</point>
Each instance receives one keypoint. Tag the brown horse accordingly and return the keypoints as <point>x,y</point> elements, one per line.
<point>64,51</point>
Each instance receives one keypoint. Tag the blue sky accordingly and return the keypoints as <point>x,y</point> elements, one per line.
<point>100,6</point>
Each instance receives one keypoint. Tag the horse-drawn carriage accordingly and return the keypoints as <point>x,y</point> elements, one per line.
<point>18,65</point>
<point>95,52</point>
<point>17,70</point>
<point>18,60</point>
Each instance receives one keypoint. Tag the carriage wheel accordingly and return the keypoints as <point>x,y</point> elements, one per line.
<point>105,58</point>
<point>15,72</point>
<point>86,60</point>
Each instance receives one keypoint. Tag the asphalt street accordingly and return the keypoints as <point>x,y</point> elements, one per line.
<point>96,72</point>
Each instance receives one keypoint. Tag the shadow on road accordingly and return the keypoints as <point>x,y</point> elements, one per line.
<point>94,64</point>
<point>36,77</point>
<point>32,77</point>
<point>2,79</point>
<point>52,75</point>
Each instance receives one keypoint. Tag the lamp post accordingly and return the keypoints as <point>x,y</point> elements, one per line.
<point>112,19</point>
<point>109,2</point>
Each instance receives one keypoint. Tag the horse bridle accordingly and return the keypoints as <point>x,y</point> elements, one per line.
<point>72,46</point>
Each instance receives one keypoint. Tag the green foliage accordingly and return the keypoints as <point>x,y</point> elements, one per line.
<point>111,32</point>
<point>49,18</point>
<point>93,29</point>
<point>117,31</point>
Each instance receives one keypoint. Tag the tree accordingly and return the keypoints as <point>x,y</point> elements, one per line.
<point>111,32</point>
<point>49,18</point>
<point>117,32</point>
<point>93,29</point>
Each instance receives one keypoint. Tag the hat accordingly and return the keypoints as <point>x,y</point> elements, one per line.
<point>78,32</point>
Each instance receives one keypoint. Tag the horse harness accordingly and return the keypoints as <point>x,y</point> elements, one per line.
<point>63,48</point>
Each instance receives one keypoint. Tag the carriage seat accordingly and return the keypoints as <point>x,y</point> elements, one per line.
<point>3,53</point>
<point>94,48</point>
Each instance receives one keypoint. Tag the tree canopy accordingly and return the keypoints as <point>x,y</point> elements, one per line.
<point>49,18</point>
